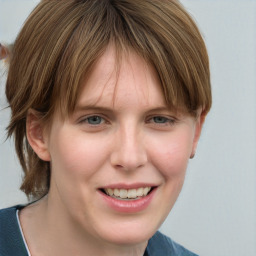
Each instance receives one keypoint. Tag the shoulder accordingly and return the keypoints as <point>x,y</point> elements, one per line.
<point>7,219</point>
<point>11,241</point>
<point>160,244</point>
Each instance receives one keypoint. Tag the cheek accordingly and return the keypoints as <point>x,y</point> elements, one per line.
<point>171,158</point>
<point>77,156</point>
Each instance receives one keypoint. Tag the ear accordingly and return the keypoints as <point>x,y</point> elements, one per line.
<point>3,52</point>
<point>36,135</point>
<point>198,128</point>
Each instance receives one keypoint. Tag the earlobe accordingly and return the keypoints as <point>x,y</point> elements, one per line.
<point>199,125</point>
<point>36,136</point>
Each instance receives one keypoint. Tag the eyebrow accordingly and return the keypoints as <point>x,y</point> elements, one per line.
<point>99,108</point>
<point>80,108</point>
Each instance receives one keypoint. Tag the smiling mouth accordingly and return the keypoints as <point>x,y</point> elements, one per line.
<point>127,194</point>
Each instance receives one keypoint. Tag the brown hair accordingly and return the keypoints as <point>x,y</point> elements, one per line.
<point>60,42</point>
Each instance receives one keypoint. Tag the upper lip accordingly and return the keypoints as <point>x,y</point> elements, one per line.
<point>129,186</point>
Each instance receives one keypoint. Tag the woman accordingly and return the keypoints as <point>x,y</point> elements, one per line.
<point>108,100</point>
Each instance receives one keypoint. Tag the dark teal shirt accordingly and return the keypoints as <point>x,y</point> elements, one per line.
<point>12,244</point>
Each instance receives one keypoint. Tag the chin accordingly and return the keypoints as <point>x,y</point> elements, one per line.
<point>129,239</point>
<point>126,234</point>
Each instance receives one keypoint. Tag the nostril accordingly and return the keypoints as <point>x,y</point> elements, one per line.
<point>121,167</point>
<point>129,155</point>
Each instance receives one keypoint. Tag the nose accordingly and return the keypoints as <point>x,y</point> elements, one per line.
<point>129,150</point>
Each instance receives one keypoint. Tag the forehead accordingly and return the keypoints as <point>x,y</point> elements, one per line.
<point>121,79</point>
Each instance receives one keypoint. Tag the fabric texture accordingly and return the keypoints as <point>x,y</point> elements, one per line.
<point>161,245</point>
<point>12,244</point>
<point>11,241</point>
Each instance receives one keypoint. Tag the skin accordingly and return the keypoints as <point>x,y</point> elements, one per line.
<point>4,52</point>
<point>122,133</point>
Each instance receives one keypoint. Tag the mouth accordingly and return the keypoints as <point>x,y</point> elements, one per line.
<point>127,194</point>
<point>128,199</point>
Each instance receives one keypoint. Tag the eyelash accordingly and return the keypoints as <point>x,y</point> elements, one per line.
<point>164,121</point>
<point>86,120</point>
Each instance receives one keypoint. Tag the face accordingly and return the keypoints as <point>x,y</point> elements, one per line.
<point>118,162</point>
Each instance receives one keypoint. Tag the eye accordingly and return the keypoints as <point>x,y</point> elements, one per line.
<point>161,121</point>
<point>93,120</point>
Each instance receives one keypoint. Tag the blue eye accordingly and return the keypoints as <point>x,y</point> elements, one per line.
<point>94,120</point>
<point>93,123</point>
<point>160,119</point>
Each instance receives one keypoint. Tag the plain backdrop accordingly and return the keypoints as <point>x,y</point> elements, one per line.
<point>215,213</point>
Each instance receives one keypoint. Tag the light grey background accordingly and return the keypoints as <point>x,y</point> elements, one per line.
<point>215,214</point>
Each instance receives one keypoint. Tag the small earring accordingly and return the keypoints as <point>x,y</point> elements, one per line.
<point>192,155</point>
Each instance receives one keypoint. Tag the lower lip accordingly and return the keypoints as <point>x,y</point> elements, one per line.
<point>129,206</point>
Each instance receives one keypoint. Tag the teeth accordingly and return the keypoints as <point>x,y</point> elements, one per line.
<point>146,190</point>
<point>123,193</point>
<point>131,193</point>
<point>116,192</point>
<point>140,192</point>
<point>127,193</point>
<point>110,192</point>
